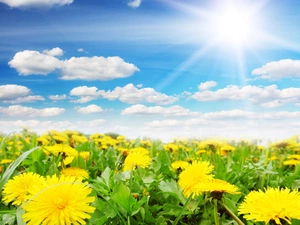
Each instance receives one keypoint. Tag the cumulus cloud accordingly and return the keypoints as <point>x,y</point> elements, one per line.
<point>134,3</point>
<point>57,97</point>
<point>89,109</point>
<point>35,3</point>
<point>54,52</point>
<point>279,69</point>
<point>96,68</point>
<point>268,96</point>
<point>18,110</point>
<point>175,110</point>
<point>32,62</point>
<point>82,68</point>
<point>13,91</point>
<point>129,94</point>
<point>29,98</point>
<point>207,85</point>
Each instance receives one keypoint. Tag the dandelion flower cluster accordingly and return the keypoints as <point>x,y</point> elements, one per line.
<point>272,205</point>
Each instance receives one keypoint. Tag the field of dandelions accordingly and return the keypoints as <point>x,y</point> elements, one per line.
<point>67,177</point>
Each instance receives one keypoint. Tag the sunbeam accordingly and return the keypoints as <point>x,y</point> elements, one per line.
<point>185,65</point>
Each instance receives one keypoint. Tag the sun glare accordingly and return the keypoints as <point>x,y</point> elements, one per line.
<point>233,26</point>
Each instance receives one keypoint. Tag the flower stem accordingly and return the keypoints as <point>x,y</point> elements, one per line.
<point>182,210</point>
<point>239,222</point>
<point>216,216</point>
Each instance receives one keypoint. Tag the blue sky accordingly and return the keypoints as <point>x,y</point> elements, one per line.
<point>151,68</point>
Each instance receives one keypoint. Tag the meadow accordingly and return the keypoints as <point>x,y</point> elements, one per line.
<point>71,178</point>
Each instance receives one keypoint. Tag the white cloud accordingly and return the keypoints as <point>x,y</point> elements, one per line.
<point>207,85</point>
<point>54,52</point>
<point>268,96</point>
<point>57,97</point>
<point>96,68</point>
<point>129,94</point>
<point>82,68</point>
<point>18,110</point>
<point>12,91</point>
<point>279,69</point>
<point>134,3</point>
<point>85,94</point>
<point>80,50</point>
<point>91,124</point>
<point>87,127</point>
<point>35,3</point>
<point>132,95</point>
<point>32,62</point>
<point>29,98</point>
<point>175,110</point>
<point>240,114</point>
<point>272,104</point>
<point>89,109</point>
<point>230,124</point>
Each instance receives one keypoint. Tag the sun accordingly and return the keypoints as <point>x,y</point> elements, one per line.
<point>234,26</point>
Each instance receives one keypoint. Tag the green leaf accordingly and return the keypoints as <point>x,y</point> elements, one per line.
<point>106,177</point>
<point>11,168</point>
<point>20,212</point>
<point>78,162</point>
<point>123,197</point>
<point>164,158</point>
<point>172,188</point>
<point>8,219</point>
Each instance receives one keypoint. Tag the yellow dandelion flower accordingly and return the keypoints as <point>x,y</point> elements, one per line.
<point>211,144</point>
<point>216,186</point>
<point>200,151</point>
<point>273,158</point>
<point>19,189</point>
<point>192,175</point>
<point>140,150</point>
<point>68,160</point>
<point>294,156</point>
<point>291,162</point>
<point>135,159</point>
<point>171,147</point>
<point>66,201</point>
<point>124,151</point>
<point>79,138</point>
<point>59,148</point>
<point>121,138</point>
<point>274,204</point>
<point>179,165</point>
<point>146,143</point>
<point>260,147</point>
<point>75,172</point>
<point>6,161</point>
<point>85,155</point>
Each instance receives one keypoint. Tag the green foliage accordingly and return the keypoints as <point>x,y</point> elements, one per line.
<point>151,195</point>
